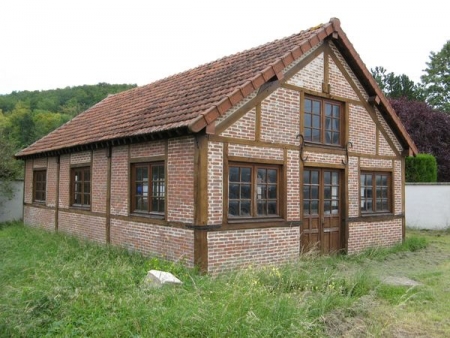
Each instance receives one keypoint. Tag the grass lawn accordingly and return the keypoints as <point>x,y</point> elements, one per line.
<point>55,285</point>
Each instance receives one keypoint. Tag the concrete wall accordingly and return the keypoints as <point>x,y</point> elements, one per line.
<point>12,209</point>
<point>428,205</point>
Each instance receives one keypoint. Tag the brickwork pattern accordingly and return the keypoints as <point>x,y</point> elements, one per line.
<point>384,149</point>
<point>170,243</point>
<point>375,163</point>
<point>388,131</point>
<point>365,235</point>
<point>64,181</point>
<point>28,185</point>
<point>39,217</point>
<point>215,183</point>
<point>40,163</point>
<point>99,180</point>
<point>353,187</point>
<point>82,226</point>
<point>397,185</point>
<point>349,71</point>
<point>338,83</point>
<point>180,186</point>
<point>293,186</point>
<point>362,131</point>
<point>323,158</point>
<point>228,250</point>
<point>236,107</point>
<point>148,149</point>
<point>311,76</point>
<point>120,181</point>
<point>244,128</point>
<point>255,152</point>
<point>280,117</point>
<point>52,174</point>
<point>80,158</point>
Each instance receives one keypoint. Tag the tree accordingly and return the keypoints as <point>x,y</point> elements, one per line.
<point>437,79</point>
<point>397,86</point>
<point>429,130</point>
<point>10,169</point>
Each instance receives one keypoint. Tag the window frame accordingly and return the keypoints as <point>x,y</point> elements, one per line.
<point>36,181</point>
<point>133,186</point>
<point>342,116</point>
<point>389,194</point>
<point>253,215</point>
<point>82,182</point>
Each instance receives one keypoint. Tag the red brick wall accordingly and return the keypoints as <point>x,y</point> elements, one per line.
<point>120,181</point>
<point>64,181</point>
<point>28,184</point>
<point>147,149</point>
<point>293,186</point>
<point>231,249</point>
<point>364,235</point>
<point>255,152</point>
<point>167,242</point>
<point>362,131</point>
<point>82,225</point>
<point>215,183</point>
<point>39,217</point>
<point>81,158</point>
<point>311,76</point>
<point>99,180</point>
<point>180,186</point>
<point>244,128</point>
<point>52,173</point>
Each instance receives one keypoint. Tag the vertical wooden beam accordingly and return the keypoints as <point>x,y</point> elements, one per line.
<point>108,194</point>
<point>166,175</point>
<point>258,122</point>
<point>326,70</point>
<point>284,184</point>
<point>403,160</point>
<point>225,184</point>
<point>345,186</point>
<point>201,203</point>
<point>58,172</point>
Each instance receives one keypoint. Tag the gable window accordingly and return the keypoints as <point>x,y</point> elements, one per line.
<point>148,188</point>
<point>253,191</point>
<point>39,185</point>
<point>81,187</point>
<point>322,121</point>
<point>375,192</point>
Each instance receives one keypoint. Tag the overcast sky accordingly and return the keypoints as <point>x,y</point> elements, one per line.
<point>49,44</point>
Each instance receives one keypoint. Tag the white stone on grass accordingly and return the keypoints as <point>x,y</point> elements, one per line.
<point>158,278</point>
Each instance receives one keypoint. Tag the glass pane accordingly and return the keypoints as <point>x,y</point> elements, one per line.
<point>315,135</point>
<point>87,175</point>
<point>328,137</point>
<point>162,205</point>
<point>336,125</point>
<point>306,175</point>
<point>369,205</point>
<point>261,178</point>
<point>316,107</point>
<point>234,191</point>
<point>262,208</point>
<point>138,174</point>
<point>316,121</point>
<point>272,176</point>
<point>87,199</point>
<point>308,120</point>
<point>306,207</point>
<point>234,174</point>
<point>308,134</point>
<point>155,173</point>
<point>362,192</point>
<point>139,189</point>
<point>335,178</point>
<point>77,198</point>
<point>334,207</point>
<point>87,187</point>
<point>336,112</point>
<point>246,175</point>
<point>384,180</point>
<point>245,208</point>
<point>378,190</point>
<point>363,180</point>
<point>328,110</point>
<point>245,191</point>
<point>335,138</point>
<point>327,207</point>
<point>335,193</point>
<point>369,193</point>
<point>328,125</point>
<point>155,204</point>
<point>315,192</point>
<point>314,207</point>
<point>308,105</point>
<point>272,193</point>
<point>306,192</point>
<point>327,192</point>
<point>385,205</point>
<point>378,180</point>
<point>327,177</point>
<point>145,189</point>
<point>77,187</point>
<point>272,208</point>
<point>368,179</point>
<point>261,192</point>
<point>233,208</point>
<point>314,177</point>
<point>379,205</point>
<point>384,193</point>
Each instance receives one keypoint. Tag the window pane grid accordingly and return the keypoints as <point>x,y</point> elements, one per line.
<point>81,186</point>
<point>374,192</point>
<point>148,188</point>
<point>321,122</point>
<point>40,182</point>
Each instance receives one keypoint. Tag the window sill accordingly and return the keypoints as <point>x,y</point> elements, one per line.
<point>255,220</point>
<point>80,207</point>
<point>39,202</point>
<point>148,215</point>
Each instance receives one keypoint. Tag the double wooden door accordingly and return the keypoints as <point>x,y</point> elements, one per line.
<point>322,210</point>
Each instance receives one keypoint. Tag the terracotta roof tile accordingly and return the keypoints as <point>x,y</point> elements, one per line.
<point>190,100</point>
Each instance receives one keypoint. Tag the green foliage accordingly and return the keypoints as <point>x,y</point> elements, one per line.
<point>10,169</point>
<point>29,115</point>
<point>422,168</point>
<point>56,285</point>
<point>437,79</point>
<point>397,86</point>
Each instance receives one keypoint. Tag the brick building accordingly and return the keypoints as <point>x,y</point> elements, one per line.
<point>253,158</point>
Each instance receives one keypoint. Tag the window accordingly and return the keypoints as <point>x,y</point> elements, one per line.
<point>39,185</point>
<point>148,188</point>
<point>322,121</point>
<point>81,187</point>
<point>253,191</point>
<point>375,192</point>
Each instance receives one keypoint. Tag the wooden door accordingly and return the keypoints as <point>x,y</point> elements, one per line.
<point>321,228</point>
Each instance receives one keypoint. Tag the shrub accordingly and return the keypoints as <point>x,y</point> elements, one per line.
<point>422,168</point>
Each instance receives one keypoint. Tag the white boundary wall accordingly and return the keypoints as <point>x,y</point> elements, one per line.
<point>428,205</point>
<point>12,209</point>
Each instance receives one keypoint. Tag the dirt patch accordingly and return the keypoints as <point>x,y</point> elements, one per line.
<point>401,281</point>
